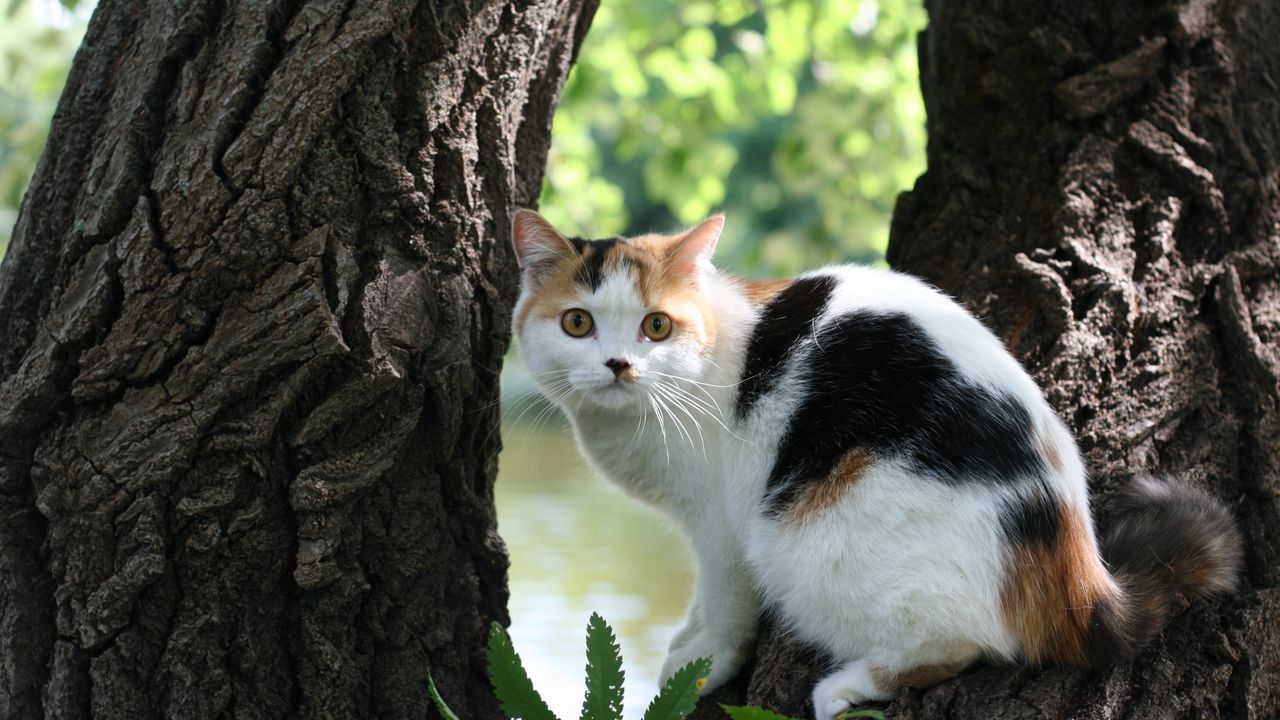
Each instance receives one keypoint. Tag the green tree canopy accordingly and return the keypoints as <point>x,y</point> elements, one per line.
<point>801,119</point>
<point>38,40</point>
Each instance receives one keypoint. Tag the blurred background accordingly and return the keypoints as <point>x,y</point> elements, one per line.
<point>802,120</point>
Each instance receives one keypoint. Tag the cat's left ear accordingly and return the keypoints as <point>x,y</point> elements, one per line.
<point>691,254</point>
<point>537,243</point>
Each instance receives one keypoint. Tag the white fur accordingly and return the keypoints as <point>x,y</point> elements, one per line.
<point>896,574</point>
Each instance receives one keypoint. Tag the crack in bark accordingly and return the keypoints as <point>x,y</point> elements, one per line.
<point>1244,347</point>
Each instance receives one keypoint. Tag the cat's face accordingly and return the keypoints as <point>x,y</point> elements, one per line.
<point>606,324</point>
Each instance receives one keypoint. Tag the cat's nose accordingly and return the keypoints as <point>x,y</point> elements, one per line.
<point>617,365</point>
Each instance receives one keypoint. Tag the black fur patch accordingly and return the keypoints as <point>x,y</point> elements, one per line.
<point>787,318</point>
<point>877,381</point>
<point>1112,636</point>
<point>1032,520</point>
<point>591,274</point>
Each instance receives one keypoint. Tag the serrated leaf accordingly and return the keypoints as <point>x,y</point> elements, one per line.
<point>679,695</point>
<point>742,712</point>
<point>604,672</point>
<point>511,683</point>
<point>441,705</point>
<point>873,714</point>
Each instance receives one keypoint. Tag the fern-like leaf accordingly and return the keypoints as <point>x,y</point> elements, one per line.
<point>441,705</point>
<point>679,695</point>
<point>511,683</point>
<point>604,672</point>
<point>741,712</point>
<point>870,714</point>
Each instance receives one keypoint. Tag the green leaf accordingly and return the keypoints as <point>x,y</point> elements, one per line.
<point>678,697</point>
<point>873,714</point>
<point>740,712</point>
<point>511,683</point>
<point>445,712</point>
<point>737,712</point>
<point>604,672</point>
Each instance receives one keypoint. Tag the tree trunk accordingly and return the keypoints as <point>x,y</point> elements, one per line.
<point>253,318</point>
<point>1104,189</point>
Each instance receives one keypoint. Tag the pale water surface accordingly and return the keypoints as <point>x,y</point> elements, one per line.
<point>578,546</point>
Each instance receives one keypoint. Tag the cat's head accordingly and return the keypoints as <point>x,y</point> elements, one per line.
<point>603,324</point>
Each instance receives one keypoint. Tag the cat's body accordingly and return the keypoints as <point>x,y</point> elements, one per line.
<point>854,450</point>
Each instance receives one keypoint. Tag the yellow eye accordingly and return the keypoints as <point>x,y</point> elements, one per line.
<point>577,322</point>
<point>656,326</point>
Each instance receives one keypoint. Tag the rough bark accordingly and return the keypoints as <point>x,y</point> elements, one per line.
<point>1104,189</point>
<point>252,318</point>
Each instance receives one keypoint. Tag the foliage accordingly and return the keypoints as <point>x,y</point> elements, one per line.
<point>441,705</point>
<point>39,38</point>
<point>802,119</point>
<point>604,672</point>
<point>516,694</point>
<point>603,701</point>
<point>520,701</point>
<point>754,713</point>
<point>679,695</point>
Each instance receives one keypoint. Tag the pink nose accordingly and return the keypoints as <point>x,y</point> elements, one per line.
<point>617,365</point>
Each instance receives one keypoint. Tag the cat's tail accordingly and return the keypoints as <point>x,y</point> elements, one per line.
<point>1168,538</point>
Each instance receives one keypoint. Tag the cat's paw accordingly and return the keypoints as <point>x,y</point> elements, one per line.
<point>841,690</point>
<point>726,659</point>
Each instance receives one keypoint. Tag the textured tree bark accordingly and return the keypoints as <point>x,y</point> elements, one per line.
<point>1104,189</point>
<point>252,320</point>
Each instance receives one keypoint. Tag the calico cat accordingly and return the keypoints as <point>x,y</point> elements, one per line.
<point>854,450</point>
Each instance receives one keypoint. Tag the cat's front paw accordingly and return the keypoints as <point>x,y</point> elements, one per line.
<point>829,700</point>
<point>848,686</point>
<point>726,659</point>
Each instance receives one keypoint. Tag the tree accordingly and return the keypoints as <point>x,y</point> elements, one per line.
<point>1102,188</point>
<point>802,120</point>
<point>253,316</point>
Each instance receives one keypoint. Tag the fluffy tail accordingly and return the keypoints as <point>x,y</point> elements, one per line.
<point>1169,538</point>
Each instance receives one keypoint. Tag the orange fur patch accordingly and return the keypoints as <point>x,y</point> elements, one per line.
<point>762,291</point>
<point>556,286</point>
<point>825,493</point>
<point>666,290</point>
<point>1050,593</point>
<point>917,677</point>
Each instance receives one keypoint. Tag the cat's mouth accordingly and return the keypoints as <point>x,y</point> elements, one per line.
<point>619,387</point>
<point>616,393</point>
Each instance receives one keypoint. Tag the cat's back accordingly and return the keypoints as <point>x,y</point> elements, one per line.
<point>883,321</point>
<point>904,437</point>
<point>917,307</point>
<point>857,362</point>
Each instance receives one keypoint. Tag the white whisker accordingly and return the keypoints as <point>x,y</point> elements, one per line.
<point>662,426</point>
<point>701,405</point>
<point>696,382</point>
<point>680,429</point>
<point>675,400</point>
<point>699,402</point>
<point>680,423</point>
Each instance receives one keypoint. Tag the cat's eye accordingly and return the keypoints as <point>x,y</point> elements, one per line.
<point>656,326</point>
<point>577,322</point>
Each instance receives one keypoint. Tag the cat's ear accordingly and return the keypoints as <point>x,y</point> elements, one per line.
<point>537,243</point>
<point>691,253</point>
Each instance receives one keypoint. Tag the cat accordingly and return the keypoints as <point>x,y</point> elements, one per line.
<point>853,450</point>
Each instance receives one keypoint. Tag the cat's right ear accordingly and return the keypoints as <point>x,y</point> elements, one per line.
<point>538,244</point>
